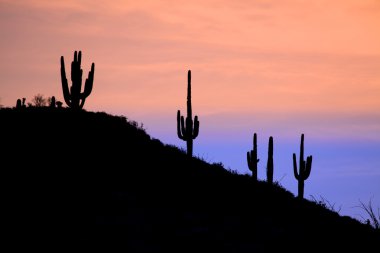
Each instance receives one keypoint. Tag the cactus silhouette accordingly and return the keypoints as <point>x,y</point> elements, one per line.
<point>20,104</point>
<point>252,158</point>
<point>74,98</point>
<point>270,161</point>
<point>304,169</point>
<point>52,102</point>
<point>189,131</point>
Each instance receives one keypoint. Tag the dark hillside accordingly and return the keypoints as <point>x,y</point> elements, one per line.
<point>97,179</point>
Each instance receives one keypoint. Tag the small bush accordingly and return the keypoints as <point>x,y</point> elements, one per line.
<point>373,220</point>
<point>326,204</point>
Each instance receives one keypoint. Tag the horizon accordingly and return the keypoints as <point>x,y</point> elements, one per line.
<point>277,69</point>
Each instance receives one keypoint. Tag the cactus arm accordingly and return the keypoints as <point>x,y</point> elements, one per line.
<point>301,151</point>
<point>79,60</point>
<point>196,127</point>
<point>183,128</point>
<point>179,133</point>
<point>65,85</point>
<point>249,161</point>
<point>252,158</point>
<point>74,69</point>
<point>82,103</point>
<point>80,71</point>
<point>76,74</point>
<point>296,175</point>
<point>308,167</point>
<point>89,82</point>
<point>76,79</point>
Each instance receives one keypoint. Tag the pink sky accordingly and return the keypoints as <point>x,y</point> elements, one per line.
<point>252,56</point>
<point>278,68</point>
<point>271,60</point>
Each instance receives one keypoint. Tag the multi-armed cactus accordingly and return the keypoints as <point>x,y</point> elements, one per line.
<point>270,161</point>
<point>74,98</point>
<point>189,131</point>
<point>304,169</point>
<point>252,158</point>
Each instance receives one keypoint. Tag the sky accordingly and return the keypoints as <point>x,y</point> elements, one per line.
<point>277,68</point>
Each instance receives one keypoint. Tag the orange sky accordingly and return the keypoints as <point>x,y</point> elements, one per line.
<point>305,64</point>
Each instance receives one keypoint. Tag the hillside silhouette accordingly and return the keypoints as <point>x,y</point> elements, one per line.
<point>99,181</point>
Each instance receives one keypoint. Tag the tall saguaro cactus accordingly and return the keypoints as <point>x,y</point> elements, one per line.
<point>270,161</point>
<point>252,158</point>
<point>189,131</point>
<point>74,98</point>
<point>304,169</point>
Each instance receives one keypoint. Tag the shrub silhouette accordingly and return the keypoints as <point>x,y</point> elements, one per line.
<point>189,131</point>
<point>252,158</point>
<point>374,219</point>
<point>304,169</point>
<point>39,100</point>
<point>270,161</point>
<point>59,104</point>
<point>74,98</point>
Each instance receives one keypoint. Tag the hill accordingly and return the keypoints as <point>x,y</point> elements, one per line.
<point>96,180</point>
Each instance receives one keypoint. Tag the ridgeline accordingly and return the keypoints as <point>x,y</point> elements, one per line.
<point>99,181</point>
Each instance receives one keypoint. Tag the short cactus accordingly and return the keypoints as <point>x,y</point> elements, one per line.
<point>270,161</point>
<point>20,104</point>
<point>74,98</point>
<point>252,158</point>
<point>52,102</point>
<point>304,169</point>
<point>189,131</point>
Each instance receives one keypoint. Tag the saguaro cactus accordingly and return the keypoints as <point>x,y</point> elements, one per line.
<point>252,158</point>
<point>304,169</point>
<point>189,131</point>
<point>270,161</point>
<point>74,98</point>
